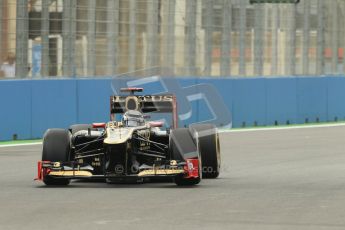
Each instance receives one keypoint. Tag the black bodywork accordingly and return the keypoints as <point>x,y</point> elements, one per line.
<point>144,148</point>
<point>131,148</point>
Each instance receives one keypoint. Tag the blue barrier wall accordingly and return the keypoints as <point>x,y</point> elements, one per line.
<point>29,107</point>
<point>15,112</point>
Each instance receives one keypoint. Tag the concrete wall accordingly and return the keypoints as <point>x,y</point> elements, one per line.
<point>29,107</point>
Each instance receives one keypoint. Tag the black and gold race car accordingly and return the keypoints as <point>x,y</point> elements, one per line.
<point>129,148</point>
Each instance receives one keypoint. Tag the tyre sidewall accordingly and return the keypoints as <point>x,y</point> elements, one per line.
<point>208,138</point>
<point>56,148</point>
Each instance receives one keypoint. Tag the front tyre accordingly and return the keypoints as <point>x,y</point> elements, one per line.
<point>182,147</point>
<point>208,138</point>
<point>56,148</point>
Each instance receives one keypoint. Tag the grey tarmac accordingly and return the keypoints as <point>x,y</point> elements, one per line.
<point>270,179</point>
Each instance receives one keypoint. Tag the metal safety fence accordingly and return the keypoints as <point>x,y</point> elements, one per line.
<point>79,38</point>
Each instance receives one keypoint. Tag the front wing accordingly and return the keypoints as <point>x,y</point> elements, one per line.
<point>72,170</point>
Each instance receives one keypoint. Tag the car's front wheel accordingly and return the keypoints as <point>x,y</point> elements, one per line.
<point>208,138</point>
<point>183,147</point>
<point>56,148</point>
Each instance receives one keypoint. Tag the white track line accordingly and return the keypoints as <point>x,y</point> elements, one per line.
<point>21,144</point>
<point>281,128</point>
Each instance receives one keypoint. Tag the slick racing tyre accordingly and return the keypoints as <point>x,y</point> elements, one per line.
<point>208,138</point>
<point>77,127</point>
<point>56,147</point>
<point>182,147</point>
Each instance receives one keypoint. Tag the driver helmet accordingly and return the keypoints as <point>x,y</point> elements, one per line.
<point>133,118</point>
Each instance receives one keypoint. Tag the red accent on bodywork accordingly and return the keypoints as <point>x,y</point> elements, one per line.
<point>175,114</point>
<point>192,168</point>
<point>112,116</point>
<point>98,125</point>
<point>130,89</point>
<point>156,123</point>
<point>41,171</point>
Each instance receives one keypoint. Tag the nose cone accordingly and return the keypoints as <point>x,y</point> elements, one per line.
<point>118,135</point>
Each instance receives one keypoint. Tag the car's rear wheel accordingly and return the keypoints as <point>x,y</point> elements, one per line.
<point>77,127</point>
<point>183,147</point>
<point>56,148</point>
<point>208,138</point>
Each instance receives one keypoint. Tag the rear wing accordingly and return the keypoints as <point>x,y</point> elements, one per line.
<point>163,103</point>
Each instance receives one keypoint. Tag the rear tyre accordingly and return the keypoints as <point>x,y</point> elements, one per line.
<point>56,147</point>
<point>181,147</point>
<point>78,127</point>
<point>208,138</point>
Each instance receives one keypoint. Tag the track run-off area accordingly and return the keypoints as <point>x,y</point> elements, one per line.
<point>271,179</point>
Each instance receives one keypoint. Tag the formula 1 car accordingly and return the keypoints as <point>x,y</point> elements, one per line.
<point>131,149</point>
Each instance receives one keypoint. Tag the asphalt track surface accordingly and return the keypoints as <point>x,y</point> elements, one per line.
<point>274,179</point>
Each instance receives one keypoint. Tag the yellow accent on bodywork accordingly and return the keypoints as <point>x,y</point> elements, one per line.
<point>120,135</point>
<point>160,172</point>
<point>70,173</point>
